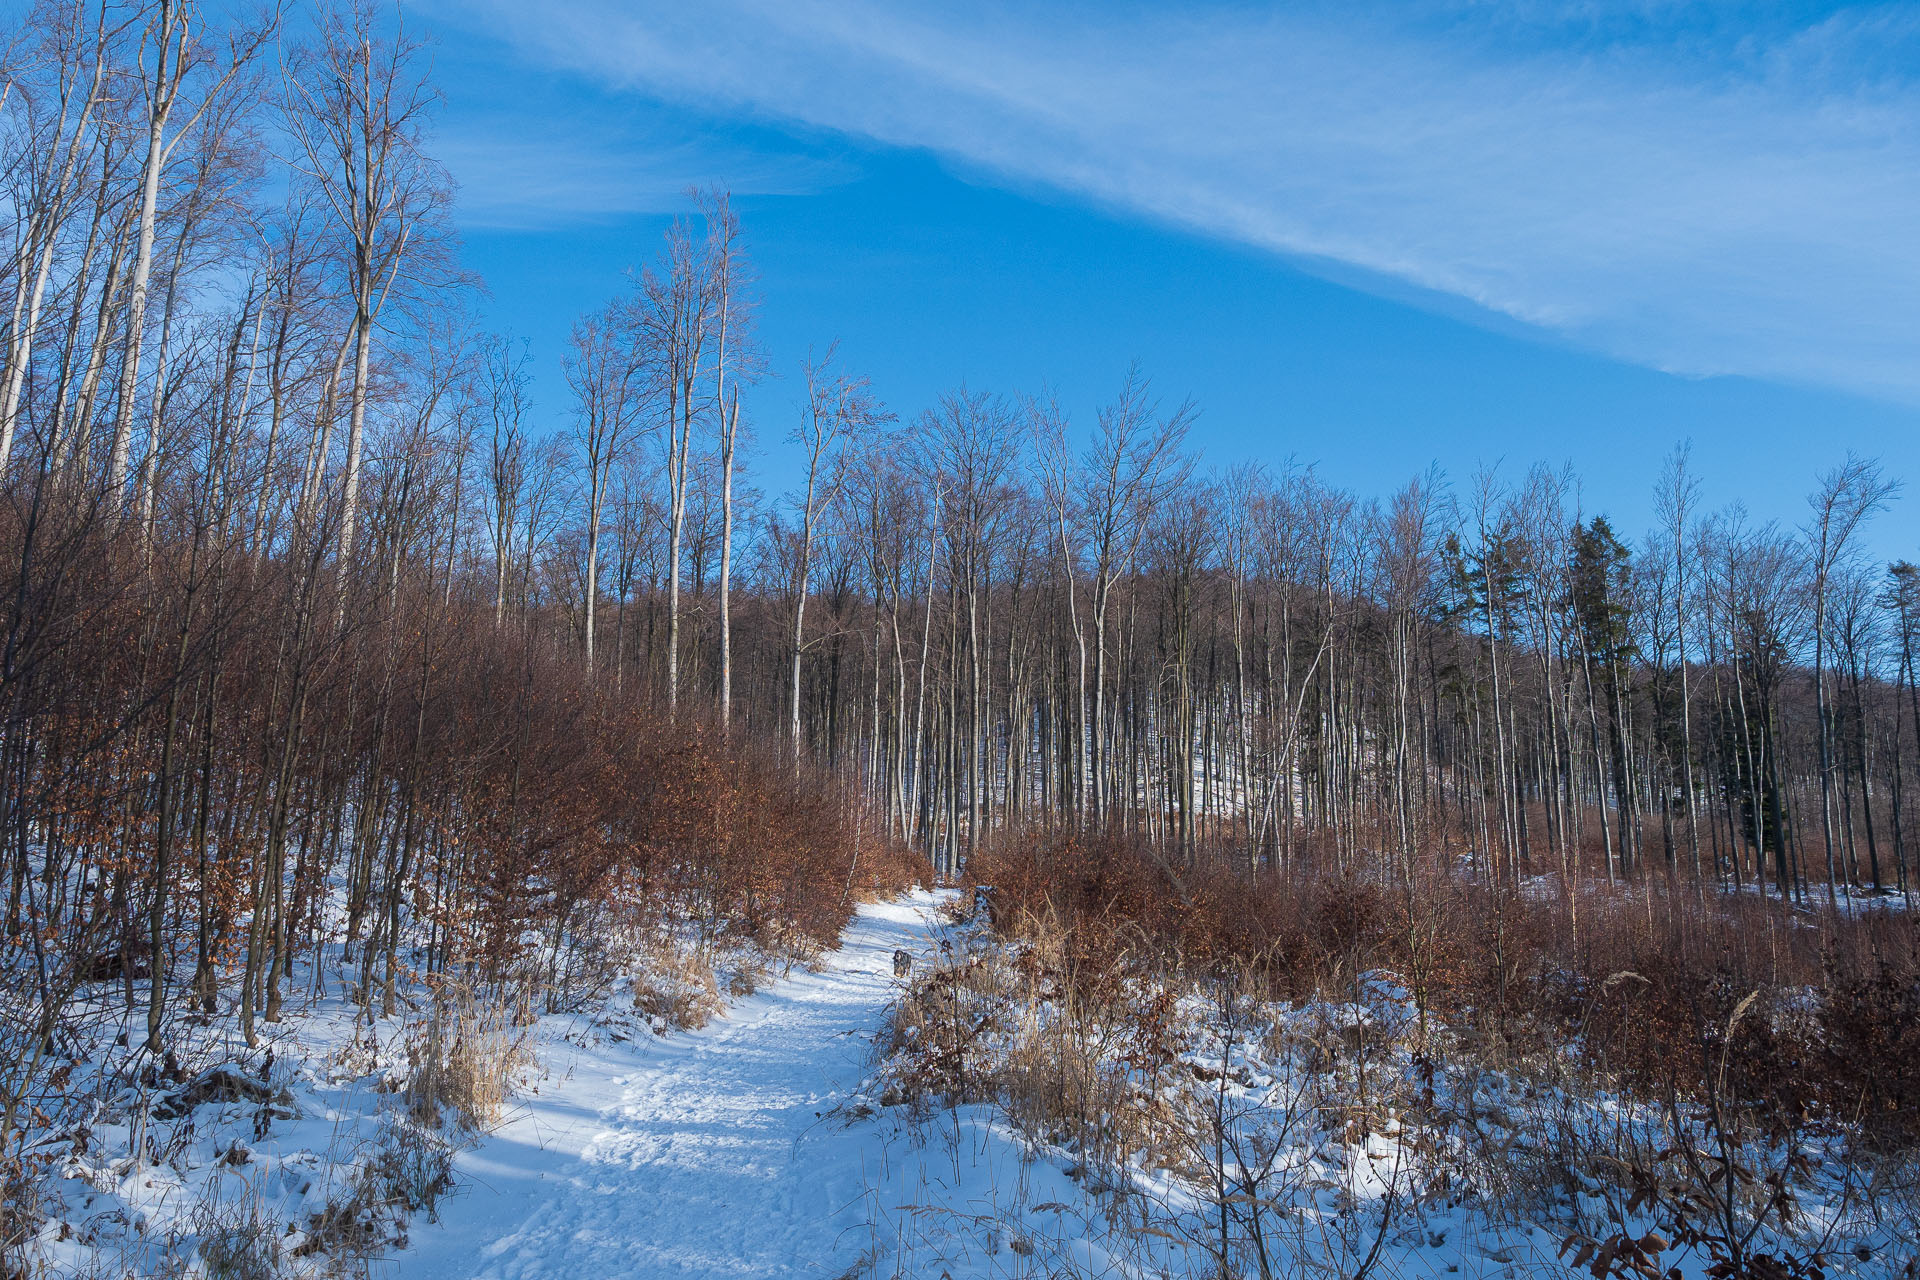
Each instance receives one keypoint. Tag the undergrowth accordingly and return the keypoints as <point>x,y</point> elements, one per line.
<point>1653,1082</point>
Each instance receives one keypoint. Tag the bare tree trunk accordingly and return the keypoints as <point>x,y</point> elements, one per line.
<point>170,25</point>
<point>727,442</point>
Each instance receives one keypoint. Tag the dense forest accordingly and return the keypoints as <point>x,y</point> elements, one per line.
<point>318,633</point>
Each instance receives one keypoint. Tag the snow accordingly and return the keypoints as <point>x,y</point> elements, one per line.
<point>141,1188</point>
<point>750,1147</point>
<point>756,1146</point>
<point>710,1153</point>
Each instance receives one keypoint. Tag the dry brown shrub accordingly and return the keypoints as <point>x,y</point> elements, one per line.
<point>1629,986</point>
<point>467,1054</point>
<point>676,986</point>
<point>411,1166</point>
<point>20,1216</point>
<point>1055,1033</point>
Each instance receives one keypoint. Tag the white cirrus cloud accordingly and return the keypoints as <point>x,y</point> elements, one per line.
<point>519,175</point>
<point>1667,182</point>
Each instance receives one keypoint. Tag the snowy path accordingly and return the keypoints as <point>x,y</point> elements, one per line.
<point>698,1154</point>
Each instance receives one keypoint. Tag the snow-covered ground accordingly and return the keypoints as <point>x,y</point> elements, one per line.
<point>274,1153</point>
<point>758,1146</point>
<point>718,1152</point>
<point>754,1147</point>
<point>750,1147</point>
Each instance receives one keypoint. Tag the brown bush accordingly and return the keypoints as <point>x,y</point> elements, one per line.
<point>1637,987</point>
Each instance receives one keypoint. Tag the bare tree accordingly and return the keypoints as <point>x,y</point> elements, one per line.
<point>969,455</point>
<point>43,185</point>
<point>506,459</point>
<point>178,55</point>
<point>1674,499</point>
<point>604,371</point>
<point>839,408</point>
<point>734,362</point>
<point>1845,499</point>
<point>358,105</point>
<point>1132,461</point>
<point>677,321</point>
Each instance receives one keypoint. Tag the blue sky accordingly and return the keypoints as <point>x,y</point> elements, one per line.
<point>1369,237</point>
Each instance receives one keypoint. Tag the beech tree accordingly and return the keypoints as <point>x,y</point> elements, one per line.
<point>839,410</point>
<point>357,105</point>
<point>605,374</point>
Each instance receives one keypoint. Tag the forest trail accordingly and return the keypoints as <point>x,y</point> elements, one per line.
<point>707,1153</point>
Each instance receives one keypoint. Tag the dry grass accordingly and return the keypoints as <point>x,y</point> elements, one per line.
<point>1631,988</point>
<point>239,1240</point>
<point>411,1166</point>
<point>1725,1025</point>
<point>676,986</point>
<point>1075,1060</point>
<point>466,1055</point>
<point>1123,1066</point>
<point>20,1217</point>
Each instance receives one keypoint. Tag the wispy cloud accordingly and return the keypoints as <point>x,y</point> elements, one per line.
<point>516,175</point>
<point>1653,180</point>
